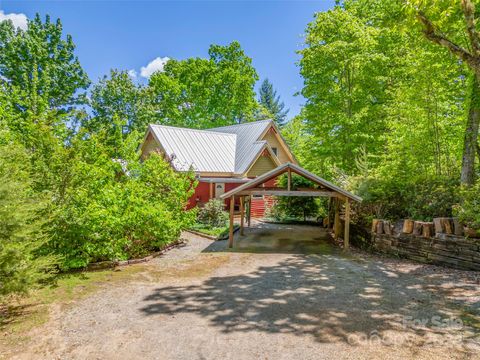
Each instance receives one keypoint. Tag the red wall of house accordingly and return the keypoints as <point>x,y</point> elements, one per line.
<point>259,205</point>
<point>201,195</point>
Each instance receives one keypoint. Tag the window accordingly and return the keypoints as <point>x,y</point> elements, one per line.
<point>257,196</point>
<point>274,149</point>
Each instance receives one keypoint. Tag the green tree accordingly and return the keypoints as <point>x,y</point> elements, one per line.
<point>118,96</point>
<point>21,234</point>
<point>202,93</point>
<point>268,98</point>
<point>41,63</point>
<point>344,75</point>
<point>453,26</point>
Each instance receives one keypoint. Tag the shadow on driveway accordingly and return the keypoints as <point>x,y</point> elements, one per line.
<point>328,296</point>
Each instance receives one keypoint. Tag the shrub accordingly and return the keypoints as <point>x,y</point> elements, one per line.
<point>109,210</point>
<point>295,207</point>
<point>420,199</point>
<point>468,211</point>
<point>212,214</point>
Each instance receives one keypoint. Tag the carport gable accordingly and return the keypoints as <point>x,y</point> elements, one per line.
<point>324,187</point>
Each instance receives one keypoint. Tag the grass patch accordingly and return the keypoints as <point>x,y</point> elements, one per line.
<point>219,232</point>
<point>19,315</point>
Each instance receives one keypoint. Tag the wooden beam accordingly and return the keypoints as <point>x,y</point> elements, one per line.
<point>242,199</point>
<point>230,233</point>
<point>258,191</point>
<point>336,220</point>
<point>346,235</point>
<point>289,185</point>
<point>210,195</point>
<point>249,210</point>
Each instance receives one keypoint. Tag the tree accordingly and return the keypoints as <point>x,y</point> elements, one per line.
<point>118,97</point>
<point>456,31</point>
<point>268,98</point>
<point>202,93</point>
<point>21,235</point>
<point>42,64</point>
<point>344,76</point>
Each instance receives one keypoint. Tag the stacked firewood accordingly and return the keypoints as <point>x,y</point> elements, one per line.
<point>449,226</point>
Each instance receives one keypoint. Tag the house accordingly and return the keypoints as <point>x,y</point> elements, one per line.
<point>223,158</point>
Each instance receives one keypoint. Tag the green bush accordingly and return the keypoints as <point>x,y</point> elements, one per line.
<point>468,211</point>
<point>21,235</point>
<point>420,199</point>
<point>111,210</point>
<point>212,214</point>
<point>295,207</point>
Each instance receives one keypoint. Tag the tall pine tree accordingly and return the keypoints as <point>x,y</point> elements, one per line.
<point>271,101</point>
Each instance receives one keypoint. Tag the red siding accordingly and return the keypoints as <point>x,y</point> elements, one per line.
<point>259,205</point>
<point>201,195</point>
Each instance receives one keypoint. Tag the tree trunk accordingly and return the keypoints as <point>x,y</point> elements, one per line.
<point>471,134</point>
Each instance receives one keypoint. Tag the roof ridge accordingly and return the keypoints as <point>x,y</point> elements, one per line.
<point>194,130</point>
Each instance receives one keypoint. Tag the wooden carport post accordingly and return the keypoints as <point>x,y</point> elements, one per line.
<point>230,234</point>
<point>346,235</point>
<point>336,220</point>
<point>242,205</point>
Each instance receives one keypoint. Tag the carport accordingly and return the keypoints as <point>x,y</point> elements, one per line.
<point>320,188</point>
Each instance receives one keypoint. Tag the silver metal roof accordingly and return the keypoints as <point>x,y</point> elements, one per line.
<point>201,150</point>
<point>248,145</point>
<point>229,149</point>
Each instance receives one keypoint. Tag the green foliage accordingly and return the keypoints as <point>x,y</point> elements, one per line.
<point>295,207</point>
<point>377,89</point>
<point>269,99</point>
<point>468,211</point>
<point>212,214</point>
<point>21,235</point>
<point>111,209</point>
<point>117,97</point>
<point>420,199</point>
<point>202,93</point>
<point>42,64</point>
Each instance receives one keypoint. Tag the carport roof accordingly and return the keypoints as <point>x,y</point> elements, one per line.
<point>333,189</point>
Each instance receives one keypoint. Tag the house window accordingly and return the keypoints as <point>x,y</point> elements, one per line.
<point>257,196</point>
<point>274,149</point>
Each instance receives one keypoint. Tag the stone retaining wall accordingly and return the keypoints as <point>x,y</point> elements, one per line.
<point>437,248</point>
<point>452,251</point>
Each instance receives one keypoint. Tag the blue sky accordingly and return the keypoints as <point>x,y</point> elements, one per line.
<point>130,34</point>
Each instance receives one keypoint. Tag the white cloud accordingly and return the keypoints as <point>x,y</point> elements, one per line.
<point>153,66</point>
<point>19,20</point>
<point>132,73</point>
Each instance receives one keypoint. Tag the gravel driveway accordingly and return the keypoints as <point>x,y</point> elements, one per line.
<point>283,293</point>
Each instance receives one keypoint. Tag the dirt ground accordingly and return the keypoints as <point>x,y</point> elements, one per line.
<point>282,293</point>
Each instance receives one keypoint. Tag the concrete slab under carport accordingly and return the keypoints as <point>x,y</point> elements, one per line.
<point>264,237</point>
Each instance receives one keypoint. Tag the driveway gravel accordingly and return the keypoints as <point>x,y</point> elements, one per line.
<point>283,292</point>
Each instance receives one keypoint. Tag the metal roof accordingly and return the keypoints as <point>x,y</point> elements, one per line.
<point>201,150</point>
<point>298,170</point>
<point>228,149</point>
<point>248,144</point>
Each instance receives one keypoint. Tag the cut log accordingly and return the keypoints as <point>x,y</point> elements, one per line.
<point>379,227</point>
<point>447,222</point>
<point>408,226</point>
<point>439,229</point>
<point>427,229</point>
<point>387,228</point>
<point>374,225</point>
<point>417,228</point>
<point>457,227</point>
